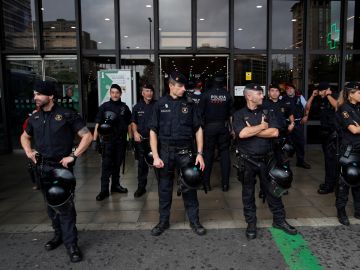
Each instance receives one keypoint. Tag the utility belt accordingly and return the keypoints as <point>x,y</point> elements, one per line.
<point>350,155</point>
<point>52,162</point>
<point>180,150</point>
<point>256,160</point>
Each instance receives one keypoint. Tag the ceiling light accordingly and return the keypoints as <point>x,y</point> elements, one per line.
<point>137,47</point>
<point>148,6</point>
<point>99,42</point>
<point>253,47</point>
<point>259,6</point>
<point>352,17</point>
<point>193,59</point>
<point>202,19</point>
<point>52,27</point>
<point>107,19</point>
<point>240,29</point>
<point>42,9</point>
<point>73,27</point>
<point>293,20</point>
<point>126,36</point>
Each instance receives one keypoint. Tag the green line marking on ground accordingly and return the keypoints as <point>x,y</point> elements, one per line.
<point>295,250</point>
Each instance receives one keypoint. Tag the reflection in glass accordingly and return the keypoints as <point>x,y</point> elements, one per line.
<point>254,63</point>
<point>352,67</point>
<point>175,24</point>
<point>136,30</point>
<point>90,68</point>
<point>324,68</point>
<point>250,24</point>
<point>287,68</point>
<point>353,25</point>
<point>212,24</point>
<point>19,24</point>
<point>98,24</point>
<point>324,28</point>
<point>59,26</point>
<point>287,24</point>
<point>143,66</point>
<point>21,76</point>
<point>64,72</point>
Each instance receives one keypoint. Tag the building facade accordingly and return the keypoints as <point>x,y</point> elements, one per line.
<point>69,41</point>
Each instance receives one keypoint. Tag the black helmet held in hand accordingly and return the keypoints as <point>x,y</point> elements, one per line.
<point>191,177</point>
<point>281,178</point>
<point>60,190</point>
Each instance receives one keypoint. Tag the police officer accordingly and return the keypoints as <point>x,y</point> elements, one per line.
<point>174,126</point>
<point>196,95</point>
<point>114,146</point>
<point>255,129</point>
<point>297,102</point>
<point>53,129</point>
<point>141,116</point>
<point>348,116</point>
<point>327,104</point>
<point>216,110</point>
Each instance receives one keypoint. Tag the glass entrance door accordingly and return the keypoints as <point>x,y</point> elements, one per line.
<point>198,69</point>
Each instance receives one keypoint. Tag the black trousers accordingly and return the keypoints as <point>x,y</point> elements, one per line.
<point>216,134</point>
<point>297,137</point>
<point>331,168</point>
<point>141,149</point>
<point>342,195</point>
<point>64,223</point>
<point>173,161</point>
<point>113,155</point>
<point>248,193</point>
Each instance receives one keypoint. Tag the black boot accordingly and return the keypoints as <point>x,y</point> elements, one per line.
<point>160,228</point>
<point>251,231</point>
<point>74,253</point>
<point>139,192</point>
<point>54,242</point>
<point>197,228</point>
<point>102,195</point>
<point>119,189</point>
<point>342,217</point>
<point>286,227</point>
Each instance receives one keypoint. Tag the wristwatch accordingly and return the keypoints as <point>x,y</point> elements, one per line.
<point>73,156</point>
<point>200,153</point>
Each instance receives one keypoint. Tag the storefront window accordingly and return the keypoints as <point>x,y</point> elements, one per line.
<point>91,66</point>
<point>137,32</point>
<point>19,24</point>
<point>352,67</point>
<point>98,26</point>
<point>250,24</point>
<point>212,24</point>
<point>353,25</point>
<point>59,26</point>
<point>287,68</point>
<point>248,68</point>
<point>175,24</point>
<point>287,24</point>
<point>324,28</point>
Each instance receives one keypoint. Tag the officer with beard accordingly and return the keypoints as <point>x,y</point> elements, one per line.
<point>114,146</point>
<point>141,116</point>
<point>53,129</point>
<point>216,110</point>
<point>256,128</point>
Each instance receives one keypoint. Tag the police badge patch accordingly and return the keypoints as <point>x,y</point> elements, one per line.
<point>58,117</point>
<point>184,110</point>
<point>345,114</point>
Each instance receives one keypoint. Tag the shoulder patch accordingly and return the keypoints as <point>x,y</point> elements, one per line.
<point>345,114</point>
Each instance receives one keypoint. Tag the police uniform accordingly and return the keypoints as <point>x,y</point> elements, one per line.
<point>114,147</point>
<point>216,110</point>
<point>328,135</point>
<point>348,114</point>
<point>256,153</point>
<point>54,132</point>
<point>196,97</point>
<point>297,135</point>
<point>175,122</point>
<point>141,116</point>
<point>281,110</point>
